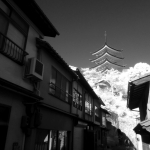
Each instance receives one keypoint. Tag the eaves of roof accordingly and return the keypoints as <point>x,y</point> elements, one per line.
<point>88,87</point>
<point>106,60</point>
<point>136,89</point>
<point>105,111</point>
<point>143,128</point>
<point>106,46</point>
<point>19,90</point>
<point>84,121</point>
<point>37,16</point>
<point>46,46</point>
<point>103,55</point>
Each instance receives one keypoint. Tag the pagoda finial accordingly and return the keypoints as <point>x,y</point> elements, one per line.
<point>105,38</point>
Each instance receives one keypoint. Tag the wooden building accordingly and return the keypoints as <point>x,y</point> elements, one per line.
<point>138,97</point>
<point>43,103</point>
<point>20,23</point>
<point>68,105</point>
<point>90,115</point>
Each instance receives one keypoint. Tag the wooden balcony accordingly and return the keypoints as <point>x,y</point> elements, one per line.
<point>11,50</point>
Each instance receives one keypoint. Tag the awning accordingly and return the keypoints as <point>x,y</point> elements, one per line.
<point>143,128</point>
<point>18,89</point>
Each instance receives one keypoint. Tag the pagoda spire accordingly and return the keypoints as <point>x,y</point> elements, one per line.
<point>107,58</point>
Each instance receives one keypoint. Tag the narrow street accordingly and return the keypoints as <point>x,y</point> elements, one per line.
<point>80,82</point>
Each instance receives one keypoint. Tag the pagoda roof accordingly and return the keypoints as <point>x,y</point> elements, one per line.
<point>105,47</point>
<point>106,69</point>
<point>103,69</point>
<point>104,83</point>
<point>105,54</point>
<point>106,62</point>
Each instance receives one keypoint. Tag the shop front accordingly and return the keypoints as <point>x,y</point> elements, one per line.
<point>54,132</point>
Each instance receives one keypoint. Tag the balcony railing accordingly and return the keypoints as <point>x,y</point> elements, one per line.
<point>59,93</point>
<point>11,50</point>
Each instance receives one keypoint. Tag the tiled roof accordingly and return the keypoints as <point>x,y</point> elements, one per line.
<point>87,86</point>
<point>37,16</point>
<point>46,46</point>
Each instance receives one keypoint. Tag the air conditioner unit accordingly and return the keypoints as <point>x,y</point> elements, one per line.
<point>34,69</point>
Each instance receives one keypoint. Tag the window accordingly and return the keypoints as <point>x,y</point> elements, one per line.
<point>51,140</point>
<point>77,96</point>
<point>77,99</point>
<point>13,34</point>
<point>103,119</point>
<point>88,104</point>
<point>4,119</point>
<point>59,85</point>
<point>97,117</point>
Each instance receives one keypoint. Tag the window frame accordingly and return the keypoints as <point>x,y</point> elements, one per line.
<point>53,86</point>
<point>77,99</point>
<point>88,100</point>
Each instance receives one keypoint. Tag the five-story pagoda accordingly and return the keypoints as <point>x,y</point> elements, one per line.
<point>107,58</point>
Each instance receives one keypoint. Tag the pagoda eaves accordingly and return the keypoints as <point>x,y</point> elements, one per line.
<point>107,58</point>
<point>106,62</point>
<point>105,55</point>
<point>106,47</point>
